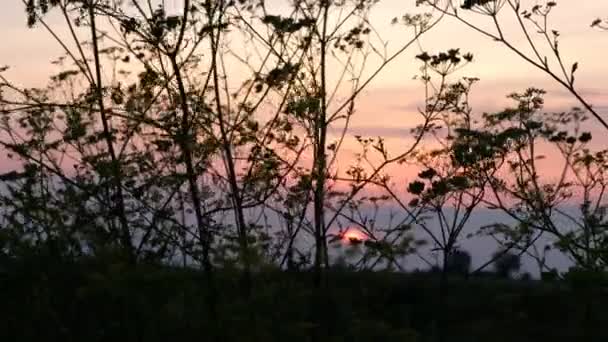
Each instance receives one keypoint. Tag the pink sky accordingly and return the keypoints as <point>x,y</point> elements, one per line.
<point>387,108</point>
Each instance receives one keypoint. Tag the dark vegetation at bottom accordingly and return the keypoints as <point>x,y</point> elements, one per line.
<point>93,301</point>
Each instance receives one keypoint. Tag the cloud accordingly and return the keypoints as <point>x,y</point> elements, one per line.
<point>602,109</point>
<point>375,131</point>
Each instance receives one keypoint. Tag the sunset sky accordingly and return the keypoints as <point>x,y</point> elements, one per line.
<point>28,50</point>
<point>388,107</point>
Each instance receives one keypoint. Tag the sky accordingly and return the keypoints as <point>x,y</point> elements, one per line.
<point>388,107</point>
<point>30,49</point>
<point>394,93</point>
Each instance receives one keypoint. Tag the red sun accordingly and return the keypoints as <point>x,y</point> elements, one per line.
<point>351,235</point>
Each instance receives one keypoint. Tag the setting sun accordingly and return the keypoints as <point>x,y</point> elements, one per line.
<point>353,234</point>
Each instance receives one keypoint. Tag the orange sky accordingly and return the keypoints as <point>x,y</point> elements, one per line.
<point>29,50</point>
<point>388,107</point>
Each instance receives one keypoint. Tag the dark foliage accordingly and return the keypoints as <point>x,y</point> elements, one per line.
<point>506,264</point>
<point>468,4</point>
<point>101,300</point>
<point>459,262</point>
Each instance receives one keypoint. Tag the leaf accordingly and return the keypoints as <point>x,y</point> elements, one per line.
<point>424,57</point>
<point>415,188</point>
<point>585,137</point>
<point>414,202</point>
<point>574,67</point>
<point>427,174</point>
<point>12,176</point>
